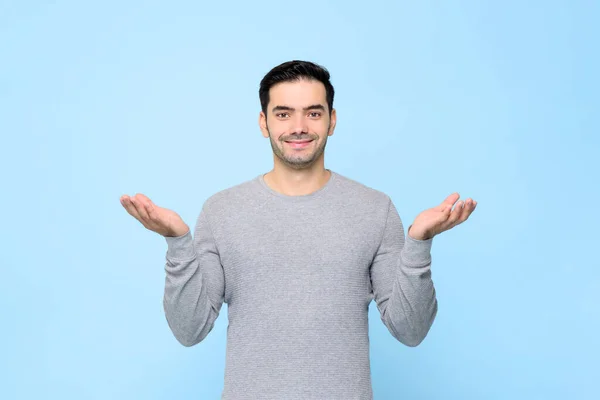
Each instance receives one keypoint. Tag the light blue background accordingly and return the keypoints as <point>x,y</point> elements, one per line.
<point>498,102</point>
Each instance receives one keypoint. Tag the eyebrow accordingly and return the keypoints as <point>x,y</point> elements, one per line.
<point>287,108</point>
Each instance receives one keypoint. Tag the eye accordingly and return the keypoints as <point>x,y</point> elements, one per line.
<point>281,115</point>
<point>315,114</point>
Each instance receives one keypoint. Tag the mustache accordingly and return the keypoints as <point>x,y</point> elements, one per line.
<point>299,137</point>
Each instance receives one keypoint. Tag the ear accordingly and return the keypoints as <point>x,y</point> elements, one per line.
<point>262,123</point>
<point>332,122</point>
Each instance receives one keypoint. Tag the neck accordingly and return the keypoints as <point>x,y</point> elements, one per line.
<point>293,182</point>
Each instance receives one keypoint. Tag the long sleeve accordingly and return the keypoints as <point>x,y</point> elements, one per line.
<point>194,283</point>
<point>401,282</point>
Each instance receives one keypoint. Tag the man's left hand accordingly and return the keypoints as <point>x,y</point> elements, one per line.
<point>438,219</point>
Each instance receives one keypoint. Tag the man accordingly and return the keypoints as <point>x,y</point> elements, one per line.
<point>298,254</point>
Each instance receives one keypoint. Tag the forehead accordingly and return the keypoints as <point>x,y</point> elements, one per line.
<point>298,93</point>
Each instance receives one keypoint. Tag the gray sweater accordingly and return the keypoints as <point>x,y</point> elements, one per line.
<point>298,274</point>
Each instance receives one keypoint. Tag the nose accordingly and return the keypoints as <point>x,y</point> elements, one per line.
<point>300,124</point>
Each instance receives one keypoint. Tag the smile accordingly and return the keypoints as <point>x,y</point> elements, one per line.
<point>299,144</point>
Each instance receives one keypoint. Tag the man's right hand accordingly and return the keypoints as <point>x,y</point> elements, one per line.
<point>157,219</point>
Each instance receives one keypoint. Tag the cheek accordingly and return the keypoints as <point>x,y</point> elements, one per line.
<point>322,130</point>
<point>323,124</point>
<point>275,130</point>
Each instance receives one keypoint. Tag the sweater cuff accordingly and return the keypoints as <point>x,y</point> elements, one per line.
<point>416,253</point>
<point>180,247</point>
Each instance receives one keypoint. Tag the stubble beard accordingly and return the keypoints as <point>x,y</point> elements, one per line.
<point>301,160</point>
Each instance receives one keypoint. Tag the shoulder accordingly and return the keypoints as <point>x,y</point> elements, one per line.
<point>233,196</point>
<point>362,193</point>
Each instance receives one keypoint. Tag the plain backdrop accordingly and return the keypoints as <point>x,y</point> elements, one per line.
<point>496,101</point>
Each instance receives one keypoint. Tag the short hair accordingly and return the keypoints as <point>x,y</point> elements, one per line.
<point>291,71</point>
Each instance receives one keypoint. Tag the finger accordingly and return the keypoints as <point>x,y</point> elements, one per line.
<point>149,206</point>
<point>145,198</point>
<point>140,206</point>
<point>123,199</point>
<point>448,202</point>
<point>137,206</point>
<point>444,209</point>
<point>154,220</point>
<point>466,208</point>
<point>455,215</point>
<point>447,210</point>
<point>151,211</point>
<point>470,205</point>
<point>130,207</point>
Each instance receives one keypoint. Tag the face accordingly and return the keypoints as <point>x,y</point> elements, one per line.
<point>298,122</point>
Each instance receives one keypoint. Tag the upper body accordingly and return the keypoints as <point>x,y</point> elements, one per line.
<point>298,254</point>
<point>298,274</point>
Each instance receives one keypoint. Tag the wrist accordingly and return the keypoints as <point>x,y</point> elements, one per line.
<point>418,235</point>
<point>178,232</point>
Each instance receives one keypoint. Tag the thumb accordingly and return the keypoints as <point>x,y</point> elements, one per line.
<point>446,209</point>
<point>448,202</point>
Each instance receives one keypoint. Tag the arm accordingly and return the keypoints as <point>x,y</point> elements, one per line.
<point>402,284</point>
<point>194,283</point>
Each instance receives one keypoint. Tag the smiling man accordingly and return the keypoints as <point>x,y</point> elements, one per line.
<point>298,254</point>
<point>302,118</point>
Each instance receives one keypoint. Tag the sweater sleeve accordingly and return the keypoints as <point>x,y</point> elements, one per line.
<point>401,282</point>
<point>194,283</point>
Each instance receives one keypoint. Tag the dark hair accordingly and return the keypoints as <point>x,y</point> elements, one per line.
<point>291,71</point>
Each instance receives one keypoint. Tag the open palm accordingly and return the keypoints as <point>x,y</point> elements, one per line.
<point>440,218</point>
<point>157,219</point>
